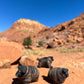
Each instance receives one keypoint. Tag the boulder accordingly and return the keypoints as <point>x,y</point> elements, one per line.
<point>51,44</point>
<point>10,51</point>
<point>26,60</point>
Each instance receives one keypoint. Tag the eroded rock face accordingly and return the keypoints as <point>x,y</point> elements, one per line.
<point>21,29</point>
<point>66,33</point>
<point>71,32</point>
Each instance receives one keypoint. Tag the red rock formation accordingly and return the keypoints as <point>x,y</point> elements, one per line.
<point>67,33</point>
<point>10,52</point>
<point>21,29</point>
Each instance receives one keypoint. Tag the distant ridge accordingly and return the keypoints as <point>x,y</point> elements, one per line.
<point>22,28</point>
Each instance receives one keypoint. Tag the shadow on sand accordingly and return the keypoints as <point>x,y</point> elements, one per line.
<point>16,81</point>
<point>47,79</point>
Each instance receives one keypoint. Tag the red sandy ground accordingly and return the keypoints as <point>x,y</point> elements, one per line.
<point>73,61</point>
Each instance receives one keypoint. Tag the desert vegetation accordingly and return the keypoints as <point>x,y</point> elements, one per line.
<point>31,53</point>
<point>71,22</point>
<point>27,41</point>
<point>40,43</point>
<point>47,37</point>
<point>69,50</point>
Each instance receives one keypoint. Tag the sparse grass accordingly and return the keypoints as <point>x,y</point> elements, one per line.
<point>34,52</point>
<point>28,52</point>
<point>42,52</point>
<point>71,50</point>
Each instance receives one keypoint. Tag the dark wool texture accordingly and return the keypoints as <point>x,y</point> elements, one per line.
<point>30,75</point>
<point>45,62</point>
<point>58,75</point>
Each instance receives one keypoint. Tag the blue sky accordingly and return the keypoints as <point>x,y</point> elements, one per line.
<point>47,12</point>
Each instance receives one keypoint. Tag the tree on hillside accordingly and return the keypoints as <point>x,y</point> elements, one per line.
<point>27,41</point>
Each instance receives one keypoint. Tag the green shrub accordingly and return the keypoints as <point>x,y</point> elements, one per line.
<point>47,37</point>
<point>40,43</point>
<point>27,41</point>
<point>72,22</point>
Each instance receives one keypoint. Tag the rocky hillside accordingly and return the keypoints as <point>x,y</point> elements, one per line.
<point>71,32</point>
<point>21,29</point>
